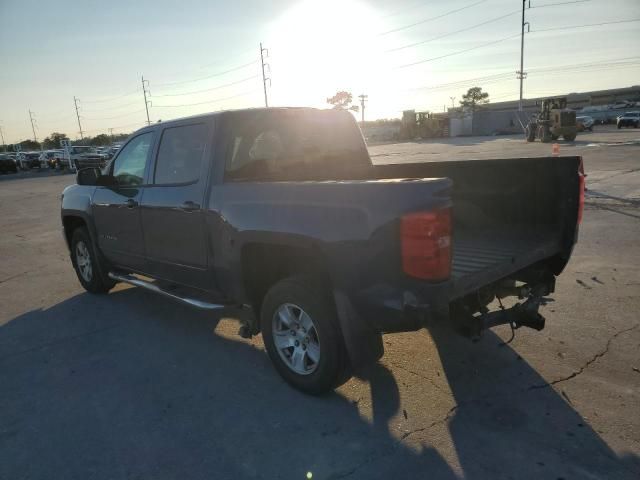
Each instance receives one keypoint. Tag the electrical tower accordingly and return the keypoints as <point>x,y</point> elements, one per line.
<point>521,74</point>
<point>453,99</point>
<point>4,145</point>
<point>363,98</point>
<point>264,77</point>
<point>33,128</point>
<point>75,103</point>
<point>145,90</point>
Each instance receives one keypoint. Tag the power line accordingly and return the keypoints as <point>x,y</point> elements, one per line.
<point>139,124</point>
<point>115,116</point>
<point>567,27</point>
<point>488,79</point>
<point>218,74</point>
<point>545,5</point>
<point>451,33</point>
<point>206,102</point>
<point>193,92</point>
<point>112,108</point>
<point>508,38</point>
<point>113,98</point>
<point>458,52</point>
<point>411,25</point>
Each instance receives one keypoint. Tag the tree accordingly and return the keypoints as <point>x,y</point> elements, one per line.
<point>474,98</point>
<point>53,140</point>
<point>100,140</point>
<point>29,145</point>
<point>342,101</point>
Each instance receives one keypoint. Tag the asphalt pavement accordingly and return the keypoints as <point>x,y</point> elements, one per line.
<point>133,386</point>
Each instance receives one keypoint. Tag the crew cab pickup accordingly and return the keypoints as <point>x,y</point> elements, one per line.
<point>281,214</point>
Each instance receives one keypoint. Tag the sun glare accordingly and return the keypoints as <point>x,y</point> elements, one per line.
<point>323,47</point>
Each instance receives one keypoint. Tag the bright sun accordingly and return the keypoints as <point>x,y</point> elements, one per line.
<point>321,47</point>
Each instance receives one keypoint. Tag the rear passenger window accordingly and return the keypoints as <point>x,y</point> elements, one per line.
<point>180,154</point>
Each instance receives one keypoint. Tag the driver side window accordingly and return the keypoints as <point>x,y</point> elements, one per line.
<point>129,165</point>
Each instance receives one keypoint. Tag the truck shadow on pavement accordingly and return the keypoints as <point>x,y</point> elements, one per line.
<point>130,385</point>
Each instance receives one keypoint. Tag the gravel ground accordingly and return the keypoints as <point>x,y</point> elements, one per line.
<point>133,386</point>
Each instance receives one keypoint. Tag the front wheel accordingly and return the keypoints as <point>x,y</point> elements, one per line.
<point>91,273</point>
<point>302,336</point>
<point>569,137</point>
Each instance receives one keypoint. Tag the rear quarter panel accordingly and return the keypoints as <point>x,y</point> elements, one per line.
<point>353,225</point>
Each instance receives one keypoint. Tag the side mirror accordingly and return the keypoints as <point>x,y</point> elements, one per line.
<point>92,176</point>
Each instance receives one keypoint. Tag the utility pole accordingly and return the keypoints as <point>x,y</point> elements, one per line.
<point>4,145</point>
<point>75,102</point>
<point>363,98</point>
<point>111,134</point>
<point>521,74</point>
<point>453,99</point>
<point>145,86</point>
<point>33,128</point>
<point>264,78</point>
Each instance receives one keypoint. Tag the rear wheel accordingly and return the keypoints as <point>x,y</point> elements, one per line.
<point>90,270</point>
<point>302,336</point>
<point>544,134</point>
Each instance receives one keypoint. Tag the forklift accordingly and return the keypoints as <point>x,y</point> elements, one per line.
<point>421,124</point>
<point>553,121</point>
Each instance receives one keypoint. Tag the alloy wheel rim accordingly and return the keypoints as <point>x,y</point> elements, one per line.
<point>83,260</point>
<point>296,339</point>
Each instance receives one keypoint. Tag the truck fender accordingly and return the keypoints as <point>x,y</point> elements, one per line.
<point>364,344</point>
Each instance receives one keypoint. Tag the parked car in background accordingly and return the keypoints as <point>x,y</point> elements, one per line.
<point>585,123</point>
<point>80,156</point>
<point>629,119</point>
<point>48,158</point>
<point>7,164</point>
<point>29,160</point>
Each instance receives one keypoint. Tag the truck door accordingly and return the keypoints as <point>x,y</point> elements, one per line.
<point>116,207</point>
<point>172,207</point>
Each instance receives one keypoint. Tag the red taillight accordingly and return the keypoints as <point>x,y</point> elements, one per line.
<point>426,244</point>
<point>581,196</point>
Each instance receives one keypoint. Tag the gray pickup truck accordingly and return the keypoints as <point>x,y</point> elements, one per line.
<point>280,212</point>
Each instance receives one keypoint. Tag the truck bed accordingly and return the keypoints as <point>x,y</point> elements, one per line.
<point>507,213</point>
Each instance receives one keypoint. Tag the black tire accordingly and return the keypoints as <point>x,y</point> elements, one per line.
<point>545,135</point>
<point>309,294</point>
<point>531,133</point>
<point>569,138</point>
<point>97,280</point>
<point>555,137</point>
<point>619,126</point>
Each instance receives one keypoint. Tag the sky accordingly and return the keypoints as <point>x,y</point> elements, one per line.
<point>204,55</point>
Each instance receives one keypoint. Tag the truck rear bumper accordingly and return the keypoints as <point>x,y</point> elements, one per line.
<point>413,304</point>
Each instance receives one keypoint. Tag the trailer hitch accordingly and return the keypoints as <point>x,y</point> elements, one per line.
<point>523,314</point>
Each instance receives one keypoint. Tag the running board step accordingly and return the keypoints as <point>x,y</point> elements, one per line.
<point>201,304</point>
